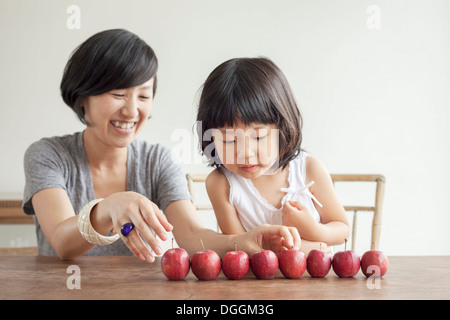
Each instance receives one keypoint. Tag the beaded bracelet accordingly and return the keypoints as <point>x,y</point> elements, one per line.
<point>86,229</point>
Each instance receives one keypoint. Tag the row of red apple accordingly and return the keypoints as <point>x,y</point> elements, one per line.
<point>206,264</point>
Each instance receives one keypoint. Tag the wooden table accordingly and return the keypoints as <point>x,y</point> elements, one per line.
<point>129,278</point>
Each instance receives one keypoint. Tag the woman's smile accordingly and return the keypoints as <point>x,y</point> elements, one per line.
<point>123,127</point>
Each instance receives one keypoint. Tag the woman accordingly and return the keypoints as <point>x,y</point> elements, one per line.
<point>90,188</point>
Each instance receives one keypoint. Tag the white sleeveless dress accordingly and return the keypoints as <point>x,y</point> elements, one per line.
<point>254,210</point>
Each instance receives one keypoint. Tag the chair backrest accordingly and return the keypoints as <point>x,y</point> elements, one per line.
<point>376,208</point>
<point>11,213</point>
<point>192,180</point>
<point>197,178</point>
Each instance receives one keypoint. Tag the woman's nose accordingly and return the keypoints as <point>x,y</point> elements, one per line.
<point>130,108</point>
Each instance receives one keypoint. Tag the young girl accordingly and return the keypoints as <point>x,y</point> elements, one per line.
<point>250,129</point>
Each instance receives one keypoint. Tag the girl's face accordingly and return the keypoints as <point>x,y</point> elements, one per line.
<point>116,117</point>
<point>250,151</point>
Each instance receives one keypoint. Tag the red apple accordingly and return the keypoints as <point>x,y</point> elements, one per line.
<point>264,264</point>
<point>235,264</point>
<point>292,263</point>
<point>346,263</point>
<point>374,263</point>
<point>206,264</point>
<point>175,264</point>
<point>318,263</point>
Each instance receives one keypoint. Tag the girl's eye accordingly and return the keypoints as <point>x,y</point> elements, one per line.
<point>144,97</point>
<point>260,138</point>
<point>118,95</point>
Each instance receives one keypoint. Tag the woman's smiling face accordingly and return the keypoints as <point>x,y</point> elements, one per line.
<point>116,117</point>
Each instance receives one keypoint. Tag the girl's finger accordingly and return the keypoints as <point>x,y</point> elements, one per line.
<point>297,204</point>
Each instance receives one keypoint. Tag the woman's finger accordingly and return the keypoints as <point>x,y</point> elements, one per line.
<point>289,234</point>
<point>152,217</point>
<point>144,230</point>
<point>137,246</point>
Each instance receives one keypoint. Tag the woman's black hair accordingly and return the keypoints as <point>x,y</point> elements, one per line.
<point>112,59</point>
<point>249,90</point>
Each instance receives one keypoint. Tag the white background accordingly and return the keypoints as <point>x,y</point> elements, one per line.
<point>374,100</point>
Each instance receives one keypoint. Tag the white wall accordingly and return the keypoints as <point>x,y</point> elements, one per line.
<point>374,100</point>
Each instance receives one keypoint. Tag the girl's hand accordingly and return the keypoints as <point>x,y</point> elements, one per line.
<point>295,213</point>
<point>132,207</point>
<point>273,237</point>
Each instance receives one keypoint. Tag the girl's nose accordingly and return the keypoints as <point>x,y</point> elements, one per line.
<point>246,151</point>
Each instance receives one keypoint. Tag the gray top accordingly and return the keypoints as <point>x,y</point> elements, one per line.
<point>61,162</point>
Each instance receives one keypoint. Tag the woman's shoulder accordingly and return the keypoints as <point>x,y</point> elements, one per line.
<point>153,157</point>
<point>56,145</point>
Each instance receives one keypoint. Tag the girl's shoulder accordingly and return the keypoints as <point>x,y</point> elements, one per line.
<point>307,160</point>
<point>315,169</point>
<point>309,167</point>
<point>215,179</point>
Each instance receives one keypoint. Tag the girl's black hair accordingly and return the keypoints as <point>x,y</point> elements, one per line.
<point>249,90</point>
<point>112,59</point>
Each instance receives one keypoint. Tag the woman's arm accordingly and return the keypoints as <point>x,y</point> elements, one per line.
<point>60,224</point>
<point>334,226</point>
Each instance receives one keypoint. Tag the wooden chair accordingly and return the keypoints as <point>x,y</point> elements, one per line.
<point>11,213</point>
<point>197,178</point>
<point>200,178</point>
<point>376,208</point>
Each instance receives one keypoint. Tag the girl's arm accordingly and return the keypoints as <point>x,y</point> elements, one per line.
<point>218,190</point>
<point>334,226</point>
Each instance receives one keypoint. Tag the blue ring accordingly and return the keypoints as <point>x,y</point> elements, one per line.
<point>126,229</point>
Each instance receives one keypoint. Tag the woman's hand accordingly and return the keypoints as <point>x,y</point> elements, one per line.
<point>273,237</point>
<point>124,207</point>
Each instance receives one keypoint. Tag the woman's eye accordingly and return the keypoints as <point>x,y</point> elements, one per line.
<point>144,97</point>
<point>118,95</point>
<point>260,138</point>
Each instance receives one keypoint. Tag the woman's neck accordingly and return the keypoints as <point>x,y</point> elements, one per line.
<point>101,156</point>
